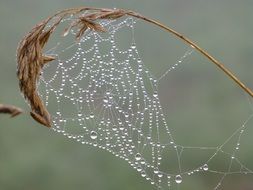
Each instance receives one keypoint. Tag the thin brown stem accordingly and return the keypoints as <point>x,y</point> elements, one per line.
<point>177,34</point>
<point>203,52</point>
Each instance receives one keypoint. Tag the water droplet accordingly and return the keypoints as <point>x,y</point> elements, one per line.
<point>178,179</point>
<point>142,161</point>
<point>114,128</point>
<point>156,171</point>
<point>105,100</point>
<point>155,94</point>
<point>65,33</point>
<point>138,157</point>
<point>160,175</point>
<point>93,135</point>
<point>121,127</point>
<point>92,116</point>
<point>139,169</point>
<point>205,167</point>
<point>143,174</point>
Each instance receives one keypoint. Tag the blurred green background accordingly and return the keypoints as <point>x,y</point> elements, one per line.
<point>203,107</point>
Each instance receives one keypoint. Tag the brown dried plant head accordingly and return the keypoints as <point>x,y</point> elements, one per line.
<point>31,59</point>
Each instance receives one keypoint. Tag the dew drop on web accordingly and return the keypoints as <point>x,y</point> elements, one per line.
<point>178,179</point>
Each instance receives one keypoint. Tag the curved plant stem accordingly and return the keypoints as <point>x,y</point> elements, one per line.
<point>203,52</point>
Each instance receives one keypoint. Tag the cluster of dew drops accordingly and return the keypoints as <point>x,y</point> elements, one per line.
<point>151,104</point>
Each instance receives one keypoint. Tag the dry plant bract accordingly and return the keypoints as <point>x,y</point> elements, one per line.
<point>9,109</point>
<point>31,59</point>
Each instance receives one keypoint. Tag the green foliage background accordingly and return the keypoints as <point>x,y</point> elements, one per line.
<point>33,157</point>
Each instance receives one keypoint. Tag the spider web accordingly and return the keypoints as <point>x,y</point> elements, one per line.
<point>105,96</point>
